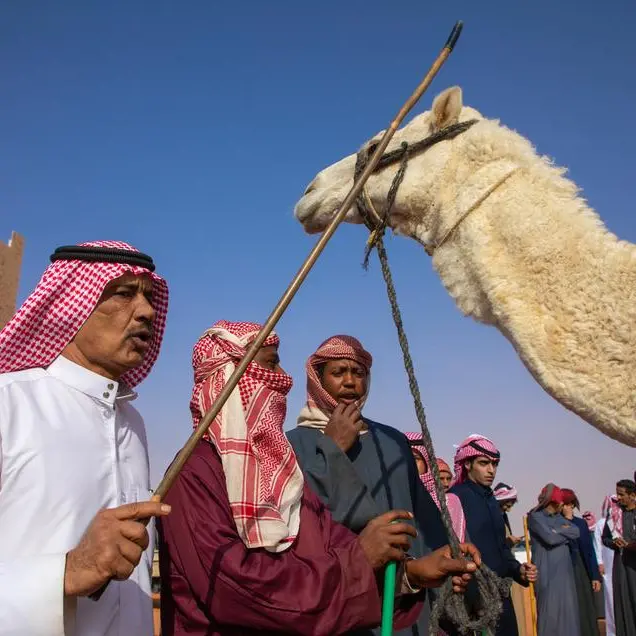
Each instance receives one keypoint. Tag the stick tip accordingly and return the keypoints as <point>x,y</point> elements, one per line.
<point>454,36</point>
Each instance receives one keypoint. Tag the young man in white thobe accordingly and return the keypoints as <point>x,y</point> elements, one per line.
<point>74,476</point>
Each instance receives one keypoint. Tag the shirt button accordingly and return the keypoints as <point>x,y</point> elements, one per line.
<point>111,386</point>
<point>106,394</point>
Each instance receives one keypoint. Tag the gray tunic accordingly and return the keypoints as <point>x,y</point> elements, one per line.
<point>557,606</point>
<point>624,577</point>
<point>376,475</point>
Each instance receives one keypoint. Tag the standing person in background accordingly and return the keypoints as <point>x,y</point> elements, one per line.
<point>587,577</point>
<point>599,596</point>
<point>476,463</point>
<point>620,535</point>
<point>605,557</point>
<point>426,476</point>
<point>557,606</point>
<point>507,497</point>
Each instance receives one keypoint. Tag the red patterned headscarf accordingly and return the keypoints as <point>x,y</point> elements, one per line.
<point>472,446</point>
<point>320,405</point>
<point>613,514</point>
<point>550,493</point>
<point>263,479</point>
<point>65,297</point>
<point>504,492</point>
<point>569,497</point>
<point>453,503</point>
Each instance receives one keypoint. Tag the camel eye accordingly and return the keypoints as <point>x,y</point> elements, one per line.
<point>371,148</point>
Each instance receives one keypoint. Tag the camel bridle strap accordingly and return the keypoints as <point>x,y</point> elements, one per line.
<point>492,589</point>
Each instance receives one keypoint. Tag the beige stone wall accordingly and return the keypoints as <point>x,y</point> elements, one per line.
<point>10,264</point>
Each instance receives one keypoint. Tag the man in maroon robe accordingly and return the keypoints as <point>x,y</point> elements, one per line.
<point>248,548</point>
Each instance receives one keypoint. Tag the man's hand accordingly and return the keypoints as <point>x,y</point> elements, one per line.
<point>620,543</point>
<point>111,547</point>
<point>383,541</point>
<point>596,586</point>
<point>601,569</point>
<point>529,572</point>
<point>433,569</point>
<point>345,425</point>
<point>512,540</point>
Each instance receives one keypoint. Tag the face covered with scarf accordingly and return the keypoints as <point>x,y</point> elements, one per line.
<point>100,305</point>
<point>476,458</point>
<point>339,372</point>
<point>263,479</point>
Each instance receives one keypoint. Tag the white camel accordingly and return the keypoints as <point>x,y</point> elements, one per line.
<point>516,247</point>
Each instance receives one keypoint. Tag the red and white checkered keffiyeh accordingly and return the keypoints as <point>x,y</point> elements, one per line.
<point>65,297</point>
<point>613,514</point>
<point>504,492</point>
<point>320,405</point>
<point>264,482</point>
<point>453,502</point>
<point>472,446</point>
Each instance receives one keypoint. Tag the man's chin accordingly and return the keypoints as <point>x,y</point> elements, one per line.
<point>133,360</point>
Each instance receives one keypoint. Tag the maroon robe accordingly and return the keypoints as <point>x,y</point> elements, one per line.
<point>211,584</point>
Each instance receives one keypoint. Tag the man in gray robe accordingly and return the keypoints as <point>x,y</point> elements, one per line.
<point>557,604</point>
<point>358,467</point>
<point>619,534</point>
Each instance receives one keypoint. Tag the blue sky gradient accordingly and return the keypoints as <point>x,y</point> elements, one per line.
<point>190,130</point>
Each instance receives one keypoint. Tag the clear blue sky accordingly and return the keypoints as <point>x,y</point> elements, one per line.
<point>190,129</point>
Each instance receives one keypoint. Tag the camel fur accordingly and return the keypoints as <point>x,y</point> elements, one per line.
<point>532,258</point>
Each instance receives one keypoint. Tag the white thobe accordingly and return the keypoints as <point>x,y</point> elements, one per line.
<point>605,556</point>
<point>71,443</point>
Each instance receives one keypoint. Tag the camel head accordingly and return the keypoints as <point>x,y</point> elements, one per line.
<point>517,247</point>
<point>419,192</point>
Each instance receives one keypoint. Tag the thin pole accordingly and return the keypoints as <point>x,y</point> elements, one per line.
<point>533,602</point>
<point>176,466</point>
<point>388,599</point>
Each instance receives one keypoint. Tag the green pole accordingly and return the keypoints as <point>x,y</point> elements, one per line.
<point>388,600</point>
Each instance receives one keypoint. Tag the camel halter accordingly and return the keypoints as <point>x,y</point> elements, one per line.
<point>492,589</point>
<point>375,222</point>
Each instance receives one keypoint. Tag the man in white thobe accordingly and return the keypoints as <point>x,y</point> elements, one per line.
<point>75,553</point>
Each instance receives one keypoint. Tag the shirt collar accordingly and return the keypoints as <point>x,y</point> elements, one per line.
<point>486,491</point>
<point>89,382</point>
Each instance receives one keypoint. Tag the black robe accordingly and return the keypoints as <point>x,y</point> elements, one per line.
<point>624,576</point>
<point>486,528</point>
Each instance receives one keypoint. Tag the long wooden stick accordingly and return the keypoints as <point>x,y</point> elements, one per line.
<point>184,454</point>
<point>533,601</point>
<point>290,292</point>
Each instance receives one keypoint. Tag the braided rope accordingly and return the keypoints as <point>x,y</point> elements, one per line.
<point>492,589</point>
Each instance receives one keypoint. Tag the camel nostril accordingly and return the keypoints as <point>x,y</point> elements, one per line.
<point>310,188</point>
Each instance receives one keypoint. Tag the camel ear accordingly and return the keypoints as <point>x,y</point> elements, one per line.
<point>446,107</point>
